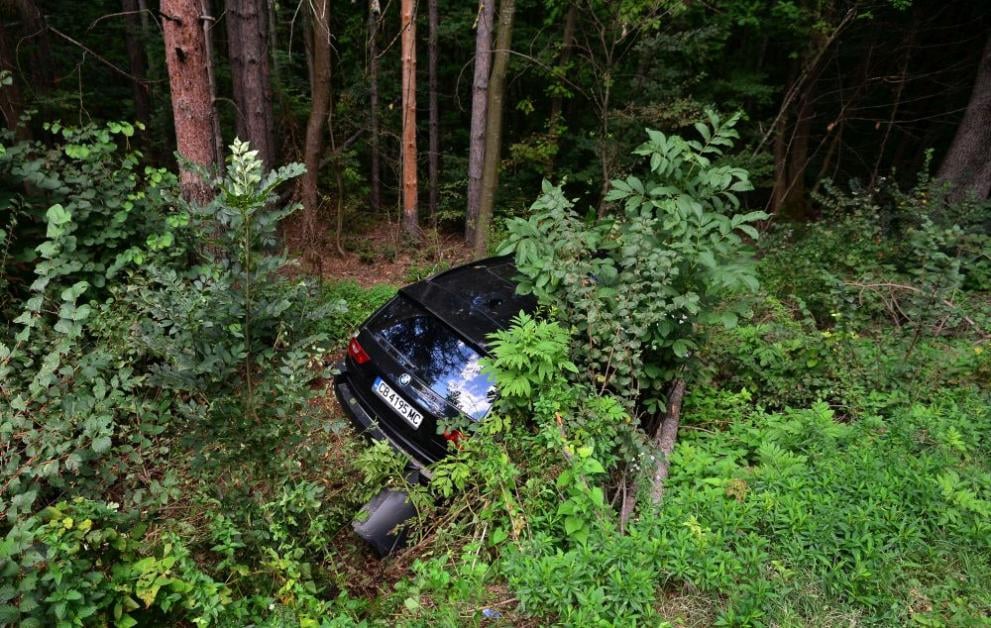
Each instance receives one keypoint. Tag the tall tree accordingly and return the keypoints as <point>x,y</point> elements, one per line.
<point>374,15</point>
<point>192,101</point>
<point>411,224</point>
<point>967,165</point>
<point>319,109</point>
<point>247,41</point>
<point>206,16</point>
<point>493,124</point>
<point>11,100</point>
<point>136,61</point>
<point>479,105</point>
<point>433,152</point>
<point>567,42</point>
<point>35,28</point>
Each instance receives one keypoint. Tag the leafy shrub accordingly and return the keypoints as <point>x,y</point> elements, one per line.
<point>120,389</point>
<point>85,207</point>
<point>636,285</point>
<point>83,563</point>
<point>347,305</point>
<point>885,255</point>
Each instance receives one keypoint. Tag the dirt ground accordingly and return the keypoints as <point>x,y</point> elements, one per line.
<point>381,255</point>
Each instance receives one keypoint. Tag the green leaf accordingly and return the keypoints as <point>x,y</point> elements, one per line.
<point>126,621</point>
<point>498,536</point>
<point>682,348</point>
<point>57,217</point>
<point>100,445</point>
<point>73,292</point>
<point>573,524</point>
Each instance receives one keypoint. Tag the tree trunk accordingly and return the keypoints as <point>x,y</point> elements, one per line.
<point>145,20</point>
<point>192,101</point>
<point>567,41</point>
<point>798,156</point>
<point>11,100</point>
<point>374,13</point>
<point>40,53</point>
<point>967,165</point>
<point>247,41</point>
<point>780,164</point>
<point>493,125</point>
<point>209,22</point>
<point>411,224</point>
<point>136,61</point>
<point>479,105</point>
<point>319,108</point>
<point>433,155</point>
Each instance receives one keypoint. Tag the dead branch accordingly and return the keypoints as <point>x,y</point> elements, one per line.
<point>665,440</point>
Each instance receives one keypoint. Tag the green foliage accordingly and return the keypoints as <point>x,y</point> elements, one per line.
<point>526,357</point>
<point>347,305</point>
<point>87,205</point>
<point>82,563</point>
<point>199,363</point>
<point>878,513</point>
<point>886,256</point>
<point>636,286</point>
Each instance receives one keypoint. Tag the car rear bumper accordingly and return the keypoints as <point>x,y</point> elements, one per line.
<point>364,421</point>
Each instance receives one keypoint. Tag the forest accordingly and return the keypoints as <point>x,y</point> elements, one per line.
<point>754,389</point>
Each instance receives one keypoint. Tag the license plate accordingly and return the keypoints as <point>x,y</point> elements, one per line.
<point>397,403</point>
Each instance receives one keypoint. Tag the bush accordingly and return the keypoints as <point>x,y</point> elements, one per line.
<point>349,306</point>
<point>114,394</point>
<point>636,285</point>
<point>886,256</point>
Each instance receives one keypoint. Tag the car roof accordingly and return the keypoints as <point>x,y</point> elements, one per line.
<point>475,299</point>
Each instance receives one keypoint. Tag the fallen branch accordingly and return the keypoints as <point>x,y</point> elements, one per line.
<point>665,440</point>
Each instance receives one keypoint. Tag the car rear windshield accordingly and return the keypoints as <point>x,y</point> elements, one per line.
<point>438,356</point>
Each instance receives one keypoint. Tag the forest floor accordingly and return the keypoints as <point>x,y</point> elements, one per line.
<point>379,255</point>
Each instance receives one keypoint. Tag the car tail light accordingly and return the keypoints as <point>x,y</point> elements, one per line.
<point>356,352</point>
<point>454,436</point>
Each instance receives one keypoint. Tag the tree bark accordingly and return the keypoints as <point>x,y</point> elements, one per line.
<point>206,17</point>
<point>493,125</point>
<point>40,54</point>
<point>479,105</point>
<point>411,224</point>
<point>247,42</point>
<point>967,165</point>
<point>137,63</point>
<point>780,152</point>
<point>319,108</point>
<point>192,100</point>
<point>798,156</point>
<point>665,440</point>
<point>433,153</point>
<point>11,100</point>
<point>374,13</point>
<point>567,42</point>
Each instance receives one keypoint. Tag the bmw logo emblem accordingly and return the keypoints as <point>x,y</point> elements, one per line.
<point>404,379</point>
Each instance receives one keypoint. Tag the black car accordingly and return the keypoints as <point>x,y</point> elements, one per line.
<point>415,363</point>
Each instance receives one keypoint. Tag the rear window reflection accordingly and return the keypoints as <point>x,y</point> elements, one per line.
<point>442,360</point>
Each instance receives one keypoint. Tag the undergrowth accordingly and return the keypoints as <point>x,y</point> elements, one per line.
<point>170,454</point>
